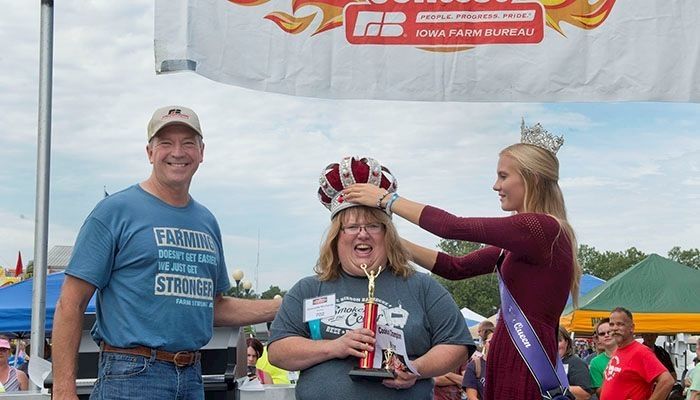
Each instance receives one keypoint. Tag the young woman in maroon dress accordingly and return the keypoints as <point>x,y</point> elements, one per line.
<point>540,267</point>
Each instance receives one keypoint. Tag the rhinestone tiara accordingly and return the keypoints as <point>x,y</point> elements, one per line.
<point>536,135</point>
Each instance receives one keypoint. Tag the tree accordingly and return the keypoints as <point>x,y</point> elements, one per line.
<point>609,263</point>
<point>272,292</point>
<point>29,271</point>
<point>480,293</point>
<point>241,293</point>
<point>588,258</point>
<point>690,257</point>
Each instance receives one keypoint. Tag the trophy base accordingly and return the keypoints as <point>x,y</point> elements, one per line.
<point>370,374</point>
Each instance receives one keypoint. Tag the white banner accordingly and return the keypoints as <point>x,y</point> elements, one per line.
<point>439,50</point>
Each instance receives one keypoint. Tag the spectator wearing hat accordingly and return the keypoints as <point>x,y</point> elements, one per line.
<point>361,242</point>
<point>11,379</point>
<point>150,247</point>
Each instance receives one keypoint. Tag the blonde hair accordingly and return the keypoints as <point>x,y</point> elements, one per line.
<point>539,170</point>
<point>328,265</point>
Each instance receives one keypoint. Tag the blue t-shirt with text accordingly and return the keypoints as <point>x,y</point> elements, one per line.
<point>157,269</point>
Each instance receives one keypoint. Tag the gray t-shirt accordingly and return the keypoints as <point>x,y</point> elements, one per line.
<point>418,305</point>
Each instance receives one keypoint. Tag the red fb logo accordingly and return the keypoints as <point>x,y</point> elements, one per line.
<point>444,23</point>
<point>378,23</point>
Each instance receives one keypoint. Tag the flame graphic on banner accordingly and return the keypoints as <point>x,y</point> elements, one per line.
<point>331,12</point>
<point>579,13</point>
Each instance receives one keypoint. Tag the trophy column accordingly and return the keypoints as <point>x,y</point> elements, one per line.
<point>365,369</point>
<point>370,322</point>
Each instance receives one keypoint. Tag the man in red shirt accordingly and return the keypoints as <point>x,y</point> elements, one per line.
<point>633,372</point>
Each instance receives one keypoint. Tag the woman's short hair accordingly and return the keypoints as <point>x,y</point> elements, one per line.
<point>564,334</point>
<point>256,345</point>
<point>328,265</point>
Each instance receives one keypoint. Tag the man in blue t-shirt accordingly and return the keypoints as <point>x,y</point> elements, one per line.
<point>155,257</point>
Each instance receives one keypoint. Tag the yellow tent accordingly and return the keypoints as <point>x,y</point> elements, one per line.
<point>662,295</point>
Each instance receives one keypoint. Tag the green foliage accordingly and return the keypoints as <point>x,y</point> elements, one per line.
<point>272,292</point>
<point>29,270</point>
<point>241,293</point>
<point>458,247</point>
<point>480,293</point>
<point>607,264</point>
<point>690,257</point>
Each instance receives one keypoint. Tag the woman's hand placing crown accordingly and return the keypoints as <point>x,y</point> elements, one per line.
<point>365,194</point>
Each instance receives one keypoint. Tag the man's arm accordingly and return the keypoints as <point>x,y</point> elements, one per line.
<point>232,311</point>
<point>664,384</point>
<point>67,330</point>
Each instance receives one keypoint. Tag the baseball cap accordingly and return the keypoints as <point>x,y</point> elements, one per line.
<point>173,115</point>
<point>5,344</point>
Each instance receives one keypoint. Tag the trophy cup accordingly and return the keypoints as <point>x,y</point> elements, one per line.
<point>365,370</point>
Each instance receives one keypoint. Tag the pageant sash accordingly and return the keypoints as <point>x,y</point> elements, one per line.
<point>554,385</point>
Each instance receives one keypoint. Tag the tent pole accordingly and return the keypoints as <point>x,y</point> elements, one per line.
<point>41,226</point>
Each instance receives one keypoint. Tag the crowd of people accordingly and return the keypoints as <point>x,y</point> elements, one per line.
<point>365,323</point>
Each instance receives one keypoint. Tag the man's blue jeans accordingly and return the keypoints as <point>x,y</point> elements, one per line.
<point>130,377</point>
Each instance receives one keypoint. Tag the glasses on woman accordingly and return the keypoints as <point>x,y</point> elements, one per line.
<point>601,334</point>
<point>369,228</point>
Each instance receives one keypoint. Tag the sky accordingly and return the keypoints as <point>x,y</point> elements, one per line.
<point>630,172</point>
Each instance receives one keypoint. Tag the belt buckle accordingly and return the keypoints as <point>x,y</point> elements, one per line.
<point>178,363</point>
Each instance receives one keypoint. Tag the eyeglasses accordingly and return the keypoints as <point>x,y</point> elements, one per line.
<point>369,228</point>
<point>604,333</point>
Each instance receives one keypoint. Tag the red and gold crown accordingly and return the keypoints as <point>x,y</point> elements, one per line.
<point>337,176</point>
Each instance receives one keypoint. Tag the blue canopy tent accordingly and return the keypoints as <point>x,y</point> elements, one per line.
<point>16,305</point>
<point>588,283</point>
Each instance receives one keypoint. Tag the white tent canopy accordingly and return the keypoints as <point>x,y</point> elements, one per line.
<point>471,318</point>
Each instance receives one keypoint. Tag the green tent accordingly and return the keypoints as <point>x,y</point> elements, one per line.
<point>663,295</point>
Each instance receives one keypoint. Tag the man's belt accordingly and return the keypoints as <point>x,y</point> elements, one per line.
<point>180,359</point>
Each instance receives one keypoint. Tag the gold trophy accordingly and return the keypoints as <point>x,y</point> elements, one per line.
<point>365,370</point>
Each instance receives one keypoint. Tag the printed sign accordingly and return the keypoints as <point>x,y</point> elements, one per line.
<point>418,23</point>
<point>436,50</point>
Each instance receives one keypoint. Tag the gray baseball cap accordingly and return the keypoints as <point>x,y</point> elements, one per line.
<point>173,115</point>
